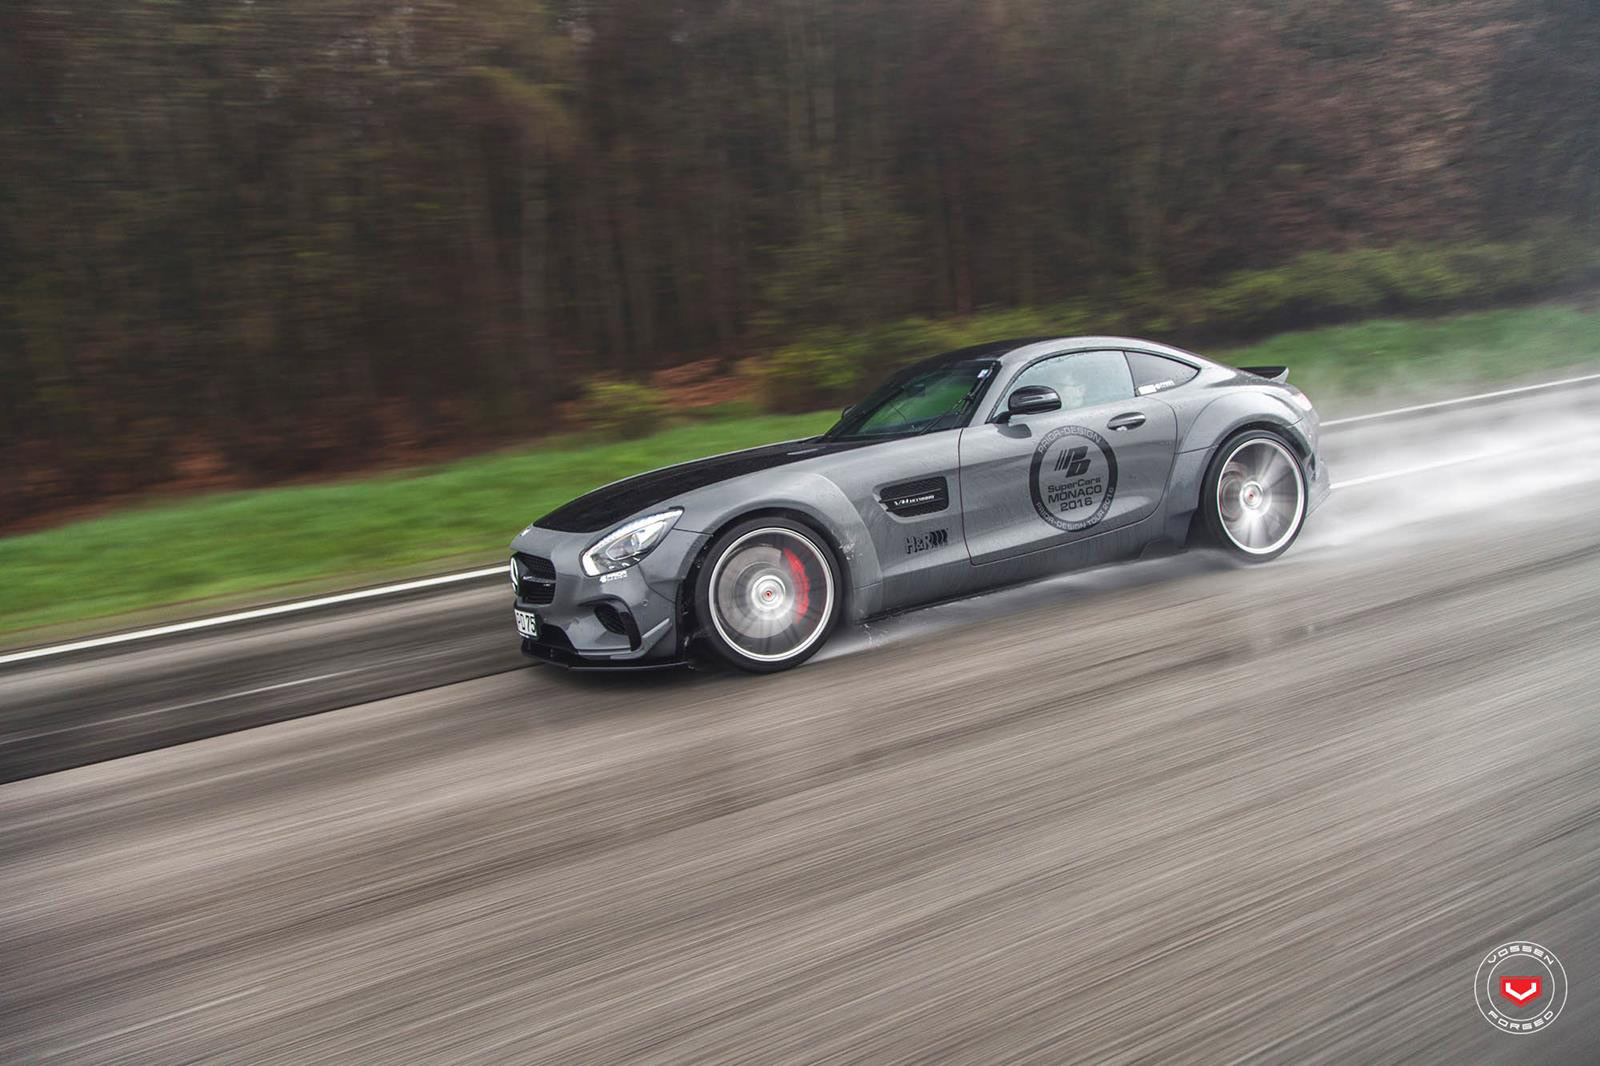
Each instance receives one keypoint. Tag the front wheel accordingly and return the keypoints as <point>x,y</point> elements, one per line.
<point>767,594</point>
<point>1254,500</point>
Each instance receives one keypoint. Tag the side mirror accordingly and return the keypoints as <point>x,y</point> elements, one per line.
<point>846,412</point>
<point>1031,400</point>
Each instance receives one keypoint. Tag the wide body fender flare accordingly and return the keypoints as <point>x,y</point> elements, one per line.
<point>811,498</point>
<point>1216,422</point>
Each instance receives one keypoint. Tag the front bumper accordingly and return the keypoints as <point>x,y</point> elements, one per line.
<point>628,618</point>
<point>547,652</point>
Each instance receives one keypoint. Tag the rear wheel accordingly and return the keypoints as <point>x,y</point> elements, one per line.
<point>1254,501</point>
<point>767,594</point>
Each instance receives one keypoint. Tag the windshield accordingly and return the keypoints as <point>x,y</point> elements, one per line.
<point>916,401</point>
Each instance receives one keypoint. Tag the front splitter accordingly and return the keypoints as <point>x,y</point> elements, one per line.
<point>568,660</point>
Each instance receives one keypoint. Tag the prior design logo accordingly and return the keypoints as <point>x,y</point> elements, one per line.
<point>1073,461</point>
<point>1073,478</point>
<point>1520,987</point>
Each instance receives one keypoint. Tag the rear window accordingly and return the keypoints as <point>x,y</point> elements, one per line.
<point>1153,373</point>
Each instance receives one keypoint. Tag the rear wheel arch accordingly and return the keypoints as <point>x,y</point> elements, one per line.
<point>1234,411</point>
<point>1192,503</point>
<point>1265,425</point>
<point>1188,496</point>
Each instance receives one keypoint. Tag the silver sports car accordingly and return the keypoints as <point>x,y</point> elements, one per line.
<point>978,468</point>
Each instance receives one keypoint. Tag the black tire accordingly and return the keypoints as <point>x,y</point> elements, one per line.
<point>768,594</point>
<point>1253,501</point>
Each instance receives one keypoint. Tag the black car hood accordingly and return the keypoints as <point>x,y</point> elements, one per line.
<point>612,503</point>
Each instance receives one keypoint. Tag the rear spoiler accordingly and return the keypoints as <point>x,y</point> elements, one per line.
<point>1279,374</point>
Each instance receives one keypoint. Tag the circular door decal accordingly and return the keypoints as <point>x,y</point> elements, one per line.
<point>1073,479</point>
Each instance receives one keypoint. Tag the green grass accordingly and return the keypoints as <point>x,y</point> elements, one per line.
<point>227,545</point>
<point>1349,368</point>
<point>241,546</point>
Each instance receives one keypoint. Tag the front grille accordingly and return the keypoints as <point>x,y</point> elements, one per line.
<point>536,579</point>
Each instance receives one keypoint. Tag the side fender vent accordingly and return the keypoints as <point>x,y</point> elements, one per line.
<point>911,498</point>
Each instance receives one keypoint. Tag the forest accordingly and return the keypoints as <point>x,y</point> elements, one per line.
<point>247,242</point>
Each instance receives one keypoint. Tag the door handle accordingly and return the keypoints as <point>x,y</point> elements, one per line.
<point>1132,420</point>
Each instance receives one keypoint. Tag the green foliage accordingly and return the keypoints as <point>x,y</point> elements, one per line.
<point>229,545</point>
<point>832,366</point>
<point>1406,277</point>
<point>617,409</point>
<point>846,267</point>
<point>1539,111</point>
<point>805,376</point>
<point>829,366</point>
<point>247,242</point>
<point>1385,361</point>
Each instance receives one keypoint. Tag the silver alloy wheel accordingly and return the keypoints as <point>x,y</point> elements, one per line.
<point>1261,496</point>
<point>771,594</point>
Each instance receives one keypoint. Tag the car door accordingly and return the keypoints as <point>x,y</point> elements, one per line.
<point>1097,464</point>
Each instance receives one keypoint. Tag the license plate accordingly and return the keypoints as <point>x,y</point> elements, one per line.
<point>527,623</point>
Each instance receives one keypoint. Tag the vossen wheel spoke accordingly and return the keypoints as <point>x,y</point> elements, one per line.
<point>1260,496</point>
<point>772,592</point>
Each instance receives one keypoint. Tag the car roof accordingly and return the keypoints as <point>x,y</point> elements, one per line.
<point>1019,350</point>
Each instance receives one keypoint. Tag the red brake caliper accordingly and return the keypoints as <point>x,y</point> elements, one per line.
<point>802,583</point>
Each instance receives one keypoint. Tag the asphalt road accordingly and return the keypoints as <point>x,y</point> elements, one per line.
<point>1176,810</point>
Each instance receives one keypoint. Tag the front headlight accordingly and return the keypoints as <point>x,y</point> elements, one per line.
<point>626,545</point>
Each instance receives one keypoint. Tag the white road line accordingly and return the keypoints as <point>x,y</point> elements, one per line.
<point>253,614</point>
<point>99,722</point>
<point>1459,400</point>
<point>297,606</point>
<point>1421,469</point>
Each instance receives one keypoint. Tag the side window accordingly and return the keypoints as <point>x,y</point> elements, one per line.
<point>1153,373</point>
<point>1082,379</point>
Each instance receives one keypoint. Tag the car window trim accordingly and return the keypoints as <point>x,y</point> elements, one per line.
<point>994,412</point>
<point>1160,355</point>
<point>1196,367</point>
